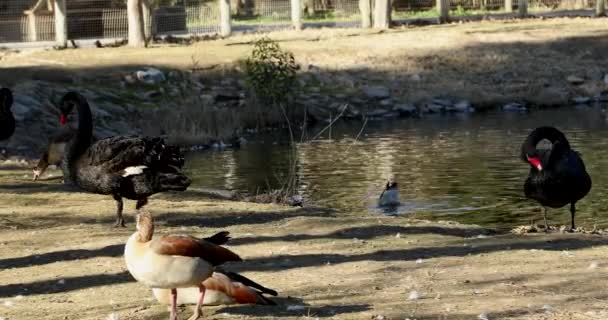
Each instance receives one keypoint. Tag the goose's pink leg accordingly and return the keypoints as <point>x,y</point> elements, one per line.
<point>173,315</point>
<point>198,311</point>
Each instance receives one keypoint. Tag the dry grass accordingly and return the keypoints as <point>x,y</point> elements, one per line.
<point>486,61</point>
<point>60,259</point>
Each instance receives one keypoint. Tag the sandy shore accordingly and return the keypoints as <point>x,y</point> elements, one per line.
<point>61,259</point>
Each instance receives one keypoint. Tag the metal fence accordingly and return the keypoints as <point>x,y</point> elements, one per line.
<point>33,20</point>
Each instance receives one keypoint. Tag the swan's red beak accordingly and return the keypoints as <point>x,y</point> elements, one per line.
<point>63,119</point>
<point>536,163</point>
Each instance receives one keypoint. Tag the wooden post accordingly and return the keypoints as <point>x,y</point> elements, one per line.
<point>61,23</point>
<point>382,14</point>
<point>509,6</point>
<point>522,10</point>
<point>296,14</point>
<point>443,7</point>
<point>600,8</point>
<point>225,21</point>
<point>365,7</point>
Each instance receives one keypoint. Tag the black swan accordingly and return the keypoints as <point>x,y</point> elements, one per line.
<point>7,121</point>
<point>557,176</point>
<point>124,166</point>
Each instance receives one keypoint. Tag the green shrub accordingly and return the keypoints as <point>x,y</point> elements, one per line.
<point>270,72</point>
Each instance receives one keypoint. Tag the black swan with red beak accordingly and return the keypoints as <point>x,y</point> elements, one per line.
<point>129,167</point>
<point>7,121</point>
<point>557,176</point>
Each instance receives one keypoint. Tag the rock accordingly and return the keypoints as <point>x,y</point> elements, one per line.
<point>550,97</point>
<point>581,100</point>
<point>443,102</point>
<point>130,79</point>
<point>314,89</point>
<point>606,78</point>
<point>386,102</point>
<point>150,76</point>
<point>20,112</point>
<point>575,80</point>
<point>376,92</point>
<point>376,113</point>
<point>514,107</point>
<point>405,109</point>
<point>416,77</point>
<point>461,106</point>
<point>150,95</point>
<point>601,97</point>
<point>433,108</point>
<point>206,98</point>
<point>226,95</point>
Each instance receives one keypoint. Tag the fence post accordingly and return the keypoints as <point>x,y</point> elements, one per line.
<point>365,7</point>
<point>522,8</point>
<point>61,23</point>
<point>509,6</point>
<point>225,21</point>
<point>382,14</point>
<point>443,7</point>
<point>296,14</point>
<point>600,8</point>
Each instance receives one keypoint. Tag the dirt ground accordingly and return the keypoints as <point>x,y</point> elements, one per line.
<point>61,259</point>
<point>486,62</point>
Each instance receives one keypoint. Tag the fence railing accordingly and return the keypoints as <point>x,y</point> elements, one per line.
<point>29,21</point>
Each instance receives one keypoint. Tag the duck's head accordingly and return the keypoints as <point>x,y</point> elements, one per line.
<point>144,225</point>
<point>391,185</point>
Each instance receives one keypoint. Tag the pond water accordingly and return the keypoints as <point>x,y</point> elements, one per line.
<point>451,167</point>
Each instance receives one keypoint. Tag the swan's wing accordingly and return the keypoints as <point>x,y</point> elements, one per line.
<point>118,153</point>
<point>178,245</point>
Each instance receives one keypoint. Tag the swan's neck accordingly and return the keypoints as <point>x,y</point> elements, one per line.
<point>84,132</point>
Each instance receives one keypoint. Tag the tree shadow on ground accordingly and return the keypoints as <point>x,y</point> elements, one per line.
<point>66,284</point>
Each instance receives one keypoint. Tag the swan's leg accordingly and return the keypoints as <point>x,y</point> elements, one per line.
<point>120,221</point>
<point>545,217</point>
<point>141,203</point>
<point>572,211</point>
<point>173,315</point>
<point>198,312</point>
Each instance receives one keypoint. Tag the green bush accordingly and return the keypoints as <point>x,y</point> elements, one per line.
<point>270,72</point>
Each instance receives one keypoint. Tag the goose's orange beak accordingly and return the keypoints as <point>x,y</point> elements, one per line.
<point>535,162</point>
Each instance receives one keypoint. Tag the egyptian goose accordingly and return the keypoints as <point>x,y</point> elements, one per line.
<point>129,167</point>
<point>557,176</point>
<point>390,195</point>
<point>7,121</point>
<point>222,288</point>
<point>173,261</point>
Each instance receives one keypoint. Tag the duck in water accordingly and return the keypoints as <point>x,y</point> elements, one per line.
<point>390,195</point>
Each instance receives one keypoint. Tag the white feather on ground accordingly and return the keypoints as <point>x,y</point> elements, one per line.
<point>133,171</point>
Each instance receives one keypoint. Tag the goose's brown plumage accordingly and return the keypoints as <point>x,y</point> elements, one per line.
<point>172,262</point>
<point>222,288</point>
<point>129,167</point>
<point>7,121</point>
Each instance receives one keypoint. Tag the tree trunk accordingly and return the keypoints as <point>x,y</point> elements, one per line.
<point>296,14</point>
<point>61,23</point>
<point>225,19</point>
<point>382,14</point>
<point>600,8</point>
<point>443,6</point>
<point>147,19</point>
<point>136,24</point>
<point>522,10</point>
<point>366,13</point>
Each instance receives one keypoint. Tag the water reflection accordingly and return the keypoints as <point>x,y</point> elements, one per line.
<point>449,167</point>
